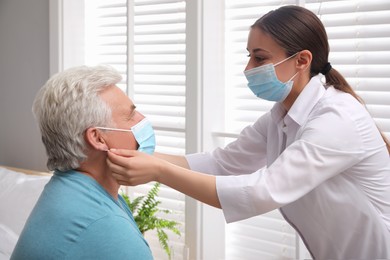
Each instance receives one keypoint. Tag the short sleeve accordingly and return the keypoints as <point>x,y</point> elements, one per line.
<point>111,237</point>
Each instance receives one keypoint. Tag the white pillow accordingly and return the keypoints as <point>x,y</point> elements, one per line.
<point>8,241</point>
<point>18,194</point>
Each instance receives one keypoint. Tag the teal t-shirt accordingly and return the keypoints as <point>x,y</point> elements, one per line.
<point>76,218</point>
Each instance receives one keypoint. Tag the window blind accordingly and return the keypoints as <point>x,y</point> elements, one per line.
<point>159,69</point>
<point>145,41</point>
<point>106,35</point>
<point>359,39</point>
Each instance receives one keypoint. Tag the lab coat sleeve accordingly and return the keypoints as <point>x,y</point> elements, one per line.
<point>286,180</point>
<point>330,143</point>
<point>243,156</point>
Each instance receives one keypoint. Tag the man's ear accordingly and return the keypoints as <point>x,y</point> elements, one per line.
<point>94,138</point>
<point>304,59</point>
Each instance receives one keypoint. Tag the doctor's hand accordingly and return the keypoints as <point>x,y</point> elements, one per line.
<point>130,167</point>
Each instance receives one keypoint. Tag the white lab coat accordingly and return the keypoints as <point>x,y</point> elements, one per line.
<point>331,182</point>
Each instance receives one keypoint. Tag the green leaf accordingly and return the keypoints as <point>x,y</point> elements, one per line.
<point>163,239</point>
<point>145,208</point>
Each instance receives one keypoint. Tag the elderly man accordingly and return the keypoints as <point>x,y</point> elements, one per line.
<point>79,215</point>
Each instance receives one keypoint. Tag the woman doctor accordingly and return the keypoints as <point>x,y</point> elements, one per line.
<point>317,155</point>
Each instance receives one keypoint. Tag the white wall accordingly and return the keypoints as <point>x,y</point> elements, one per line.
<point>24,68</point>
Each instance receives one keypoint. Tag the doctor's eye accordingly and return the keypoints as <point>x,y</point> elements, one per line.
<point>259,59</point>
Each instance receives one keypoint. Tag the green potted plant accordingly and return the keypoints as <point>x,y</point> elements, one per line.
<point>144,210</point>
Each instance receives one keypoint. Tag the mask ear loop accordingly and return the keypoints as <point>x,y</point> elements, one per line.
<point>113,129</point>
<point>280,62</point>
<point>293,76</point>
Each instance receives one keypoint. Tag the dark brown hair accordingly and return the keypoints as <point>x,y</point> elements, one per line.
<point>295,29</point>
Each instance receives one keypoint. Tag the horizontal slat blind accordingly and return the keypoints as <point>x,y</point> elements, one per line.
<point>153,76</point>
<point>262,237</point>
<point>159,92</point>
<point>267,236</point>
<point>359,38</point>
<point>106,35</point>
<point>159,69</point>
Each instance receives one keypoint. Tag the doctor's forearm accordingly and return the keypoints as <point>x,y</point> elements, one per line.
<point>175,159</point>
<point>197,185</point>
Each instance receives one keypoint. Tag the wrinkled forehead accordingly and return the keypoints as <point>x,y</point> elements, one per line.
<point>117,100</point>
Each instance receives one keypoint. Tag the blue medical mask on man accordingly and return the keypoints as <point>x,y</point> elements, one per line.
<point>143,133</point>
<point>265,84</point>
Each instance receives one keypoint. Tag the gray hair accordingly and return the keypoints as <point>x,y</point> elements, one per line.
<point>66,106</point>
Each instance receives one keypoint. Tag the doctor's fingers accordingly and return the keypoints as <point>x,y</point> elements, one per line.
<point>124,152</point>
<point>123,175</point>
<point>133,173</point>
<point>124,179</point>
<point>113,165</point>
<point>132,182</point>
<point>131,178</point>
<point>118,159</point>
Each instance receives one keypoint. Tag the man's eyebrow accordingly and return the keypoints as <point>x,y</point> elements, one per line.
<point>132,108</point>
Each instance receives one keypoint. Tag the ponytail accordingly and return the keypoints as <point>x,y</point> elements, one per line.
<point>335,79</point>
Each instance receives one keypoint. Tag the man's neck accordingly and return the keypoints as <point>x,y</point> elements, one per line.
<point>100,173</point>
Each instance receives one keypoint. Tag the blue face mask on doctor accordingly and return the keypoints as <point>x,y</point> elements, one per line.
<point>265,84</point>
<point>143,133</point>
